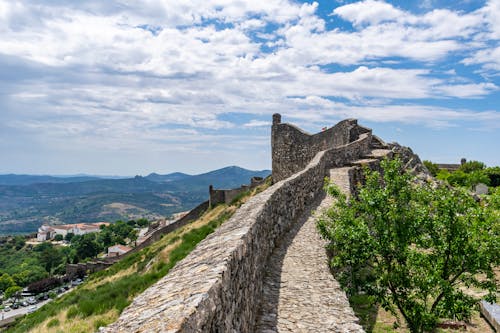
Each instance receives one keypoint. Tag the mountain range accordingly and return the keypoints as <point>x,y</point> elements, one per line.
<point>27,201</point>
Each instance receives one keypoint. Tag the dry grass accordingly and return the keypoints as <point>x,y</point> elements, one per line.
<point>385,324</point>
<point>76,325</point>
<point>95,283</point>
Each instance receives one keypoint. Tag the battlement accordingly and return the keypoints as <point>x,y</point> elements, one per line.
<point>293,148</point>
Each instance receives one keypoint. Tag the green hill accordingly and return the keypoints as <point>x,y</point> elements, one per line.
<point>23,208</point>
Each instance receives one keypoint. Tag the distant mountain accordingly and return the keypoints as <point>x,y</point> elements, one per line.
<point>225,178</point>
<point>154,177</point>
<point>12,179</point>
<point>48,199</point>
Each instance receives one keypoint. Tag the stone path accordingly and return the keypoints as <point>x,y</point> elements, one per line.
<point>300,293</point>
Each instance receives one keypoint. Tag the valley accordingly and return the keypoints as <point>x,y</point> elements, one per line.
<point>26,203</point>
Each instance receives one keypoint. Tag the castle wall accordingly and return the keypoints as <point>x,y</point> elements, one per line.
<point>217,287</point>
<point>227,196</point>
<point>293,149</point>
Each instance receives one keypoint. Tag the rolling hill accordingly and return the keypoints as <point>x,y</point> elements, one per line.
<point>30,201</point>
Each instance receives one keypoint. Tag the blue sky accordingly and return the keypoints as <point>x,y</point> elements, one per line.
<point>125,88</point>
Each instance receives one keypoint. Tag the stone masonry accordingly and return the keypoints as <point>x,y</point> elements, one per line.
<point>221,284</point>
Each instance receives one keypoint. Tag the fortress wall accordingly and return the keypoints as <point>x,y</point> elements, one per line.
<point>293,149</point>
<point>217,287</point>
<point>227,196</point>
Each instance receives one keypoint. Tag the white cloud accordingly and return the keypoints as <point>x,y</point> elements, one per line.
<point>123,74</point>
<point>257,123</point>
<point>369,12</point>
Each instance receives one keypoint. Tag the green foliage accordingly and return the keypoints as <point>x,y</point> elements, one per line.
<point>69,236</point>
<point>460,178</point>
<point>471,166</point>
<point>86,246</point>
<point>58,238</point>
<point>12,291</point>
<point>432,167</point>
<point>494,175</point>
<point>6,281</point>
<point>49,256</point>
<point>410,246</point>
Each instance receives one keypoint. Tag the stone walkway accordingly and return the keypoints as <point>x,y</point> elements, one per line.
<point>300,293</point>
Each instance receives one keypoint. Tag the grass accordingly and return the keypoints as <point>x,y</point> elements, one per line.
<point>100,300</point>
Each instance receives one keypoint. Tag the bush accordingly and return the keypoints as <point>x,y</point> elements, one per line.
<point>432,167</point>
<point>470,166</point>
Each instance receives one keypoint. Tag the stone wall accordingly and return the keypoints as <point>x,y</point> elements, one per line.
<point>217,287</point>
<point>293,149</point>
<point>217,196</point>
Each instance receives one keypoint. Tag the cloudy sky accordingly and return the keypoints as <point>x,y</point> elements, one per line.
<point>131,87</point>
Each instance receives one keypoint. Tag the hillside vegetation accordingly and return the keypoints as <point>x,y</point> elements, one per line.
<point>29,201</point>
<point>100,300</point>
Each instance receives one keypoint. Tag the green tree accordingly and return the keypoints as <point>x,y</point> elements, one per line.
<point>494,175</point>
<point>58,237</point>
<point>142,222</point>
<point>69,236</point>
<point>432,167</point>
<point>470,166</point>
<point>12,291</point>
<point>412,246</point>
<point>18,242</point>
<point>133,235</point>
<point>86,246</point>
<point>49,256</point>
<point>31,273</point>
<point>6,281</point>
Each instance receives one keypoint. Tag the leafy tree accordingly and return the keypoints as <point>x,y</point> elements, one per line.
<point>69,236</point>
<point>18,242</point>
<point>106,238</point>
<point>58,237</point>
<point>411,246</point>
<point>133,235</point>
<point>86,246</point>
<point>142,222</point>
<point>460,178</point>
<point>470,166</point>
<point>30,274</point>
<point>6,281</point>
<point>494,175</point>
<point>49,256</point>
<point>432,167</point>
<point>12,291</point>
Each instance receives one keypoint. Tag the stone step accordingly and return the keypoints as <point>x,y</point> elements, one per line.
<point>371,163</point>
<point>380,154</point>
<point>342,178</point>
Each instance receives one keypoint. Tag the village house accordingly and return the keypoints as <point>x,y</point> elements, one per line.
<point>117,250</point>
<point>48,232</point>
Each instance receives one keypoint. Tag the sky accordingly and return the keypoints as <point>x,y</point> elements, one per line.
<point>132,87</point>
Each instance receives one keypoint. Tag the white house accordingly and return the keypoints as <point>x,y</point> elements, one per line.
<point>117,250</point>
<point>46,232</point>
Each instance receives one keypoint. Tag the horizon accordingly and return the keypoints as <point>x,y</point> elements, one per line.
<point>129,89</point>
<point>128,176</point>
